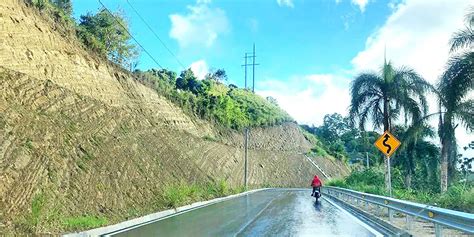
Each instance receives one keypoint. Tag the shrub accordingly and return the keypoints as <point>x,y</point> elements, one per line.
<point>370,176</point>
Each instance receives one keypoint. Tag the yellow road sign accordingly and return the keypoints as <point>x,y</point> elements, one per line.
<point>387,143</point>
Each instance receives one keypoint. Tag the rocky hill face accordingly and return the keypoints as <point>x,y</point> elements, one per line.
<point>83,137</point>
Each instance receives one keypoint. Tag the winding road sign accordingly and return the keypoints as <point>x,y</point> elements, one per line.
<point>387,143</point>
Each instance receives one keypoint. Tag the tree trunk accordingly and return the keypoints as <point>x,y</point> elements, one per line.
<point>408,179</point>
<point>386,127</point>
<point>444,164</point>
<point>429,171</point>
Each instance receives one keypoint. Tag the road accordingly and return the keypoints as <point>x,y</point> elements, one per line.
<point>264,213</point>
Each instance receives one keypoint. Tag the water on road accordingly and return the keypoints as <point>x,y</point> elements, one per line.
<point>264,213</point>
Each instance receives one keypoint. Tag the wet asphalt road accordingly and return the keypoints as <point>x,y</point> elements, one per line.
<point>264,213</point>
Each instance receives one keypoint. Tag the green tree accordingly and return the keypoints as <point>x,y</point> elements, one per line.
<point>334,126</point>
<point>64,5</point>
<point>455,85</point>
<point>414,146</point>
<point>218,76</point>
<point>272,100</point>
<point>107,34</point>
<point>383,97</point>
<point>188,81</point>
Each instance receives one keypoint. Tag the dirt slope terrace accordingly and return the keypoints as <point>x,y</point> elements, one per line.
<point>86,138</point>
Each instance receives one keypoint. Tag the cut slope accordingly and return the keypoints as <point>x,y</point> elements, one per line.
<point>80,136</point>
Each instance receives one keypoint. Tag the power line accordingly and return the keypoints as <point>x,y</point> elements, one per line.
<point>128,32</point>
<point>156,35</point>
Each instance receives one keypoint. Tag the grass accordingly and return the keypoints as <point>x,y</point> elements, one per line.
<point>209,138</point>
<point>97,140</point>
<point>459,196</point>
<point>183,193</point>
<point>84,222</point>
<point>28,144</point>
<point>318,149</point>
<point>36,207</point>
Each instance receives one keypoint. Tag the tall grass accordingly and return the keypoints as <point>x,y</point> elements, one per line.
<point>185,193</point>
<point>460,196</point>
<point>84,222</point>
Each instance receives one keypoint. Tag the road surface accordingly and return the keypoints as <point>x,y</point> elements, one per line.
<point>263,213</point>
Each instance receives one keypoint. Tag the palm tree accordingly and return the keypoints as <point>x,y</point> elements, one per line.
<point>384,97</point>
<point>455,85</point>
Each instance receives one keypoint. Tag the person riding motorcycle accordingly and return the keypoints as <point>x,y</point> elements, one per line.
<point>316,184</point>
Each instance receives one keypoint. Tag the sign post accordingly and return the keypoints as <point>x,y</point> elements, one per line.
<point>388,144</point>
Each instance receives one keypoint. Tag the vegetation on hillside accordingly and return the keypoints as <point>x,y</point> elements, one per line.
<point>343,141</point>
<point>106,34</point>
<point>213,100</point>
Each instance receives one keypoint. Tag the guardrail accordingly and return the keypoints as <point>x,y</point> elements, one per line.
<point>439,216</point>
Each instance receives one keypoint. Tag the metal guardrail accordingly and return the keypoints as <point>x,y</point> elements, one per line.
<point>439,216</point>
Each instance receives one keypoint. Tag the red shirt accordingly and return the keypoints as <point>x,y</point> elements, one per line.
<point>316,182</point>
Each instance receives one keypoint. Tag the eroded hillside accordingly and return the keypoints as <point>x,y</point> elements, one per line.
<point>83,137</point>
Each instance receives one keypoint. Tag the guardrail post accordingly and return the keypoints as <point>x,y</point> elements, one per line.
<point>409,220</point>
<point>438,230</point>
<point>390,214</point>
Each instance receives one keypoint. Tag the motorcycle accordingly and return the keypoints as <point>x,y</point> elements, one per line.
<point>317,194</point>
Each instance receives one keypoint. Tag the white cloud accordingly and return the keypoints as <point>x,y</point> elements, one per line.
<point>200,69</point>
<point>338,1</point>
<point>203,1</point>
<point>201,26</point>
<point>417,35</point>
<point>285,3</point>
<point>317,96</point>
<point>360,3</point>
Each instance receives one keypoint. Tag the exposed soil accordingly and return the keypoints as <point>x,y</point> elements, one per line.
<point>79,136</point>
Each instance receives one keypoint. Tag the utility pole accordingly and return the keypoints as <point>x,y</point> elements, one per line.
<point>247,129</point>
<point>245,65</point>
<point>253,69</point>
<point>246,138</point>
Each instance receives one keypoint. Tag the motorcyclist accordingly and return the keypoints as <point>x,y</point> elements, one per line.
<point>316,184</point>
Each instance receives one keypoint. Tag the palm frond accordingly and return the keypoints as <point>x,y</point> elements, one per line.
<point>465,113</point>
<point>457,80</point>
<point>365,90</point>
<point>462,39</point>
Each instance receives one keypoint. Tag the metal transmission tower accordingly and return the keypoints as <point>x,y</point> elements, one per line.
<point>247,129</point>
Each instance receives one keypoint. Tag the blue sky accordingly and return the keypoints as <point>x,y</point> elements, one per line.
<point>310,37</point>
<point>308,50</point>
